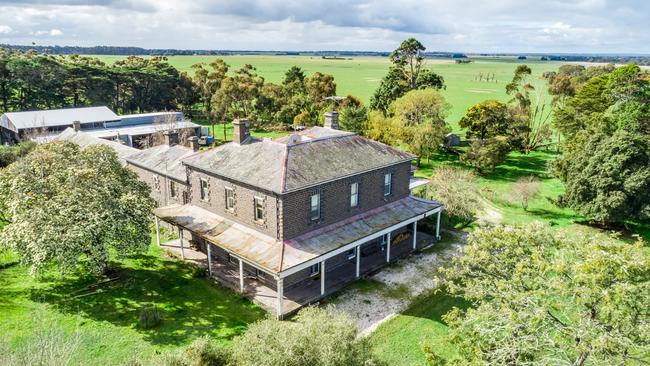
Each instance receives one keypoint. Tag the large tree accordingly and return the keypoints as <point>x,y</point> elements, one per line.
<point>69,206</point>
<point>542,298</point>
<point>608,180</point>
<point>420,115</point>
<point>489,118</point>
<point>406,73</point>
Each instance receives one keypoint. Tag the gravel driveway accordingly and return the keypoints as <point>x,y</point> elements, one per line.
<point>390,291</point>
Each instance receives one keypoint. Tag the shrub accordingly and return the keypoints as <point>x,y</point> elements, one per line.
<point>202,352</point>
<point>317,337</point>
<point>526,189</point>
<point>150,317</point>
<point>198,272</point>
<point>458,190</point>
<point>486,154</point>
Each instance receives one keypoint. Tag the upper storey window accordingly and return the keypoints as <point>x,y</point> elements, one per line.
<point>354,195</point>
<point>388,184</point>
<point>314,212</point>
<point>258,206</point>
<point>230,199</point>
<point>205,189</point>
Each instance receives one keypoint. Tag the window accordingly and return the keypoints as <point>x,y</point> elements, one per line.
<point>388,184</point>
<point>156,183</point>
<point>383,241</point>
<point>352,253</point>
<point>230,199</point>
<point>172,189</point>
<point>232,259</point>
<point>314,269</point>
<point>314,211</point>
<point>259,209</point>
<point>354,194</point>
<point>205,189</point>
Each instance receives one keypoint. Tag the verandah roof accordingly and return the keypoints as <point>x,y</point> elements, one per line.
<point>269,254</point>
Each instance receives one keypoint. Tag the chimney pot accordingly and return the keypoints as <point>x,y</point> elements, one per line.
<point>76,125</point>
<point>241,132</point>
<point>331,120</point>
<point>171,137</point>
<point>194,143</point>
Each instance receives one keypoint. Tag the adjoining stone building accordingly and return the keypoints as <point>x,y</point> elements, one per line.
<point>297,218</point>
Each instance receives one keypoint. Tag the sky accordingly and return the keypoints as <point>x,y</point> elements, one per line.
<point>578,26</point>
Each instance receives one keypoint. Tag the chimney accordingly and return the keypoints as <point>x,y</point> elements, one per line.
<point>76,125</point>
<point>331,120</point>
<point>194,143</point>
<point>241,132</point>
<point>171,137</point>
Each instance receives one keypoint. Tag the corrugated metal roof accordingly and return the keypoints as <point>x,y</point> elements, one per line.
<point>60,117</point>
<point>84,140</point>
<point>138,130</point>
<point>289,164</point>
<point>267,253</point>
<point>163,159</point>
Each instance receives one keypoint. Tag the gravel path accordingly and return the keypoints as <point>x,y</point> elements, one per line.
<point>392,289</point>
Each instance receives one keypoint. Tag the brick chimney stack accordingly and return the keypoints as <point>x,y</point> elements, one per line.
<point>194,143</point>
<point>331,120</point>
<point>241,132</point>
<point>171,137</point>
<point>76,125</point>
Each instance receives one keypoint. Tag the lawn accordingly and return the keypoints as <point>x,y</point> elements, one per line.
<point>360,76</point>
<point>106,316</point>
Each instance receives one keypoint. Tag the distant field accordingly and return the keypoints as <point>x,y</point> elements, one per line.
<point>360,76</point>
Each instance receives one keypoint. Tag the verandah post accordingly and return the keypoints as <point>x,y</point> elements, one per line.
<point>415,234</point>
<point>438,226</point>
<point>358,260</point>
<point>388,248</point>
<point>180,229</point>
<point>241,276</point>
<point>322,278</point>
<point>280,292</point>
<point>209,258</point>
<point>157,221</point>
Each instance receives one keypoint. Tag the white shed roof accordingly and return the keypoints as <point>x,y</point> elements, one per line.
<point>57,117</point>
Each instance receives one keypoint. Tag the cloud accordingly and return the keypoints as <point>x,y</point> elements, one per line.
<point>379,25</point>
<point>51,32</point>
<point>5,29</point>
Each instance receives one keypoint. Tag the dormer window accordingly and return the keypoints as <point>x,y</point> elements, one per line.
<point>314,212</point>
<point>388,184</point>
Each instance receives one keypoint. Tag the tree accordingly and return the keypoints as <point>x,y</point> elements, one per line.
<point>315,337</point>
<point>486,119</point>
<point>420,116</point>
<point>524,190</point>
<point>353,118</point>
<point>608,181</point>
<point>541,298</point>
<point>319,86</point>
<point>531,120</point>
<point>458,189</point>
<point>486,154</point>
<point>407,73</point>
<point>207,82</point>
<point>69,206</point>
<point>237,95</point>
<point>381,128</point>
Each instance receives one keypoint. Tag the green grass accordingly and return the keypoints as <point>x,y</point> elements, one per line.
<point>360,76</point>
<point>107,318</point>
<point>400,340</point>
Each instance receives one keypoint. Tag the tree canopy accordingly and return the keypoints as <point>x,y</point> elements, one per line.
<point>406,73</point>
<point>542,298</point>
<point>69,206</point>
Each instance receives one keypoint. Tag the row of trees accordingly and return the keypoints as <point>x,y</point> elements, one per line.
<point>135,84</point>
<point>603,117</point>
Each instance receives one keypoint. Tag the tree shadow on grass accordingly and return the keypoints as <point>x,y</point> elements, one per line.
<point>435,304</point>
<point>191,306</point>
<point>552,216</point>
<point>518,166</point>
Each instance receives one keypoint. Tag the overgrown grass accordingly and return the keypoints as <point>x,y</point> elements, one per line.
<point>104,310</point>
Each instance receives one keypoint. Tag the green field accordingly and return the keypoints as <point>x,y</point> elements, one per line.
<point>360,76</point>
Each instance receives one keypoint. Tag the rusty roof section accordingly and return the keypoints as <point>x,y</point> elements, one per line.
<point>274,256</point>
<point>298,161</point>
<point>163,159</point>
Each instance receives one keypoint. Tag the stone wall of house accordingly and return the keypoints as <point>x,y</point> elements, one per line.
<point>335,199</point>
<point>243,211</point>
<point>160,192</point>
